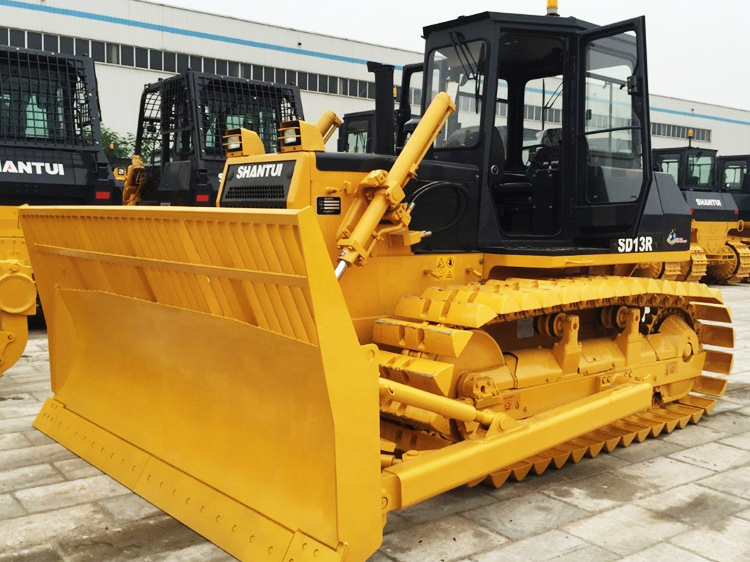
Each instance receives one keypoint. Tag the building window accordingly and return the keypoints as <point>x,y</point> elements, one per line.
<point>170,62</point>
<point>155,60</point>
<point>679,132</point>
<point>113,53</point>
<point>82,46</point>
<point>33,40</point>
<point>51,43</point>
<point>183,63</point>
<point>141,57</point>
<point>97,51</point>
<point>17,38</point>
<point>127,55</point>
<point>67,45</point>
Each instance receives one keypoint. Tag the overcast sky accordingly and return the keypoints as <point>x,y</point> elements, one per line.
<point>696,48</point>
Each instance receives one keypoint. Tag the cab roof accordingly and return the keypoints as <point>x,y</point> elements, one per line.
<point>533,22</point>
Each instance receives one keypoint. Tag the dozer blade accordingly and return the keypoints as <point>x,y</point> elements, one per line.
<point>206,360</point>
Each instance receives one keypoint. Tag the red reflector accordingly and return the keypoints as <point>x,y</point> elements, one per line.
<point>201,198</point>
<point>736,211</point>
<point>103,195</point>
<point>691,211</point>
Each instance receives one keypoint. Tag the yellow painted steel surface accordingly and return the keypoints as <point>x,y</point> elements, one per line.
<point>233,392</point>
<point>718,252</point>
<point>433,472</point>
<point>17,289</point>
<point>208,359</point>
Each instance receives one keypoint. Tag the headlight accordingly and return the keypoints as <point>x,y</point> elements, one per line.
<point>291,136</point>
<point>233,143</point>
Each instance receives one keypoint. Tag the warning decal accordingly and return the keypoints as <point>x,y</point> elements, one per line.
<point>445,267</point>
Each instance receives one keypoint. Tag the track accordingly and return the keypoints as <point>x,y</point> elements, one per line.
<point>693,270</point>
<point>741,255</point>
<point>570,337</point>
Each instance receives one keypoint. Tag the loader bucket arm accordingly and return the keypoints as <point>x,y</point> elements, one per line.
<point>233,392</point>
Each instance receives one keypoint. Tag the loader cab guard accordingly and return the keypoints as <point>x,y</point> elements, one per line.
<point>51,150</point>
<point>525,143</point>
<point>182,122</point>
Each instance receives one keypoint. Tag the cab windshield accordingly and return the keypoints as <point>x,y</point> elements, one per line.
<point>460,70</point>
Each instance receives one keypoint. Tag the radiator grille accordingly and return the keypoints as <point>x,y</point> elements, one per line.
<point>262,192</point>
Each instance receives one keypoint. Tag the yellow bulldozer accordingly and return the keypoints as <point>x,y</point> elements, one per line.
<point>351,334</point>
<point>719,251</point>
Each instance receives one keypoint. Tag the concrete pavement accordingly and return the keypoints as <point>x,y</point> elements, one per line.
<point>683,496</point>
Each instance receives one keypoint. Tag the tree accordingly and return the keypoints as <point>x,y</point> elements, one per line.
<point>116,145</point>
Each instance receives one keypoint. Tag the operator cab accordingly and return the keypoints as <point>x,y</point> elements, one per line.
<point>691,167</point>
<point>694,171</point>
<point>732,173</point>
<point>733,177</point>
<point>553,113</point>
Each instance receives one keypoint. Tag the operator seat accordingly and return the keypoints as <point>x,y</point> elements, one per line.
<point>548,154</point>
<point>528,206</point>
<point>544,174</point>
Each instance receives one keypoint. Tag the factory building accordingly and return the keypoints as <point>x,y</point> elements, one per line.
<point>135,43</point>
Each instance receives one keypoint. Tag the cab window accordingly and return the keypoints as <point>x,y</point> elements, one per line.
<point>459,69</point>
<point>612,130</point>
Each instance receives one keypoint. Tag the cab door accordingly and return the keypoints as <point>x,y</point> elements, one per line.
<point>613,149</point>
